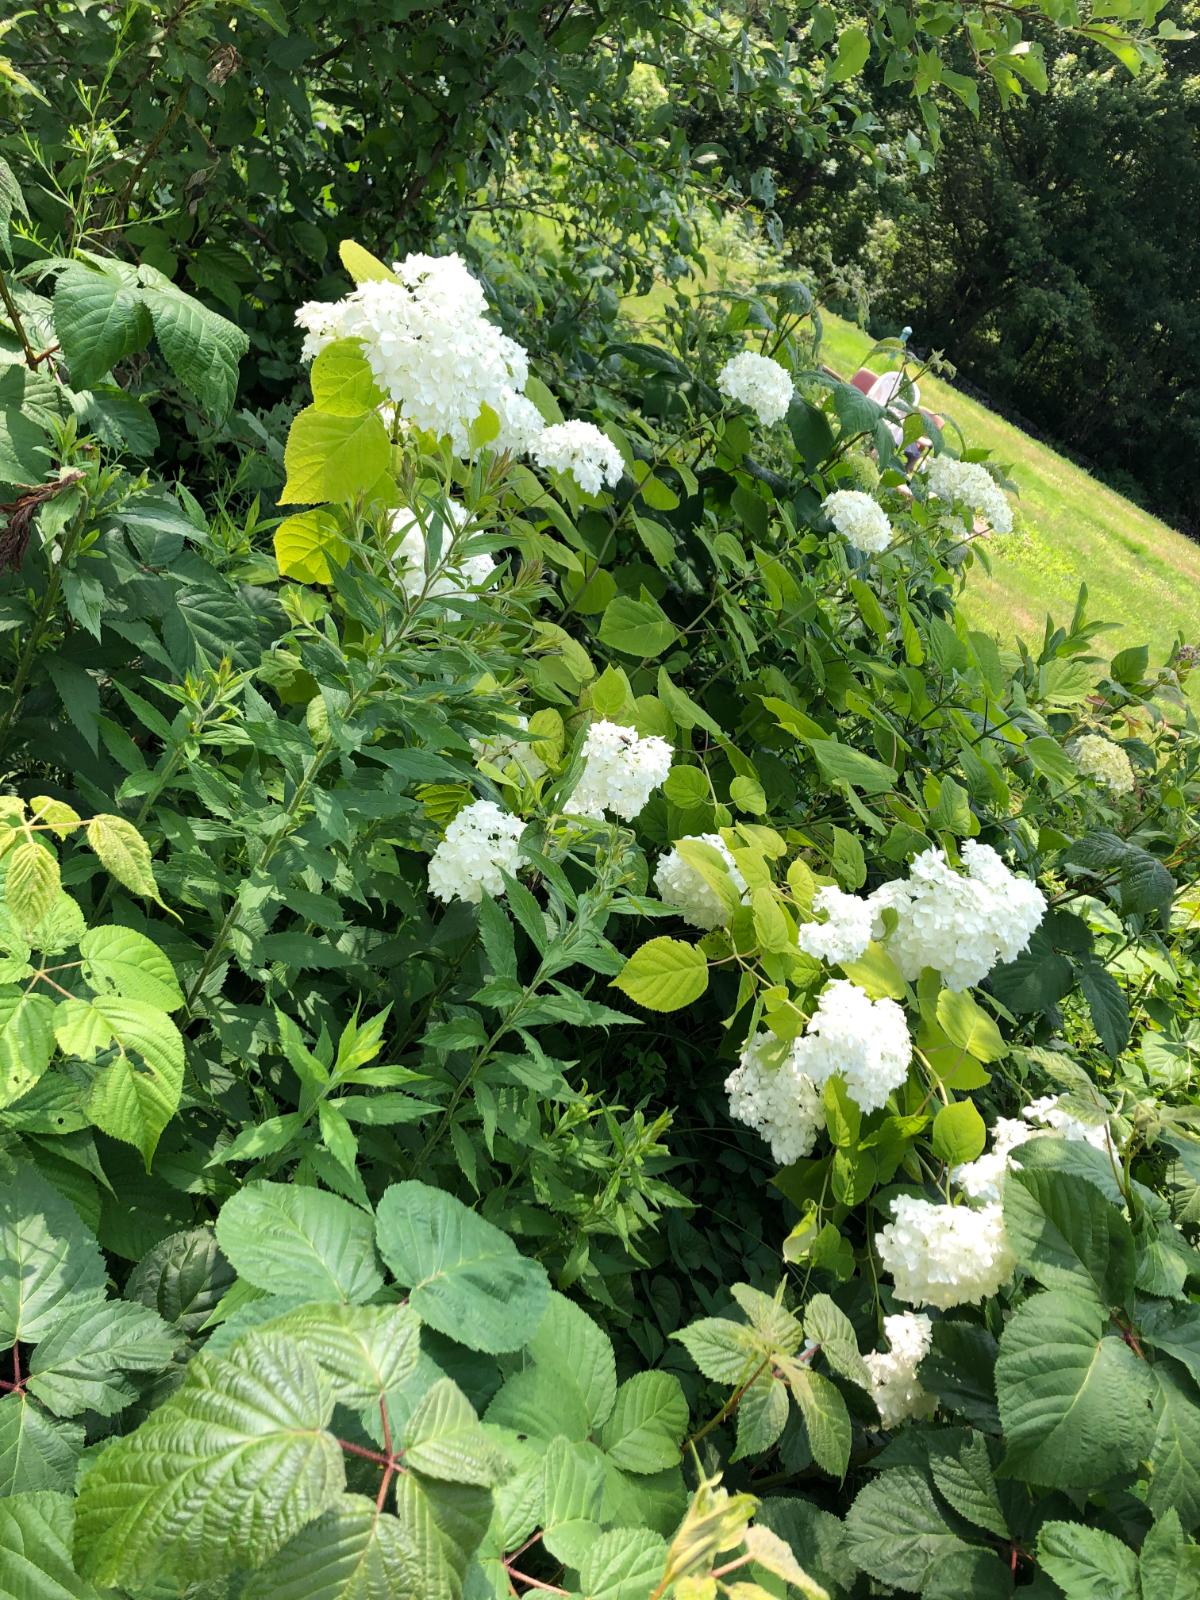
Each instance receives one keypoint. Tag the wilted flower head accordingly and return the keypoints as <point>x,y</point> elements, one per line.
<point>480,843</point>
<point>1101,759</point>
<point>758,382</point>
<point>944,1256</point>
<point>859,519</point>
<point>681,886</point>
<point>770,1092</point>
<point>969,483</point>
<point>582,450</point>
<point>620,771</point>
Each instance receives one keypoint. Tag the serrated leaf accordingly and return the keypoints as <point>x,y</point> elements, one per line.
<point>825,1418</point>
<point>762,1415</point>
<point>1174,1459</point>
<point>965,1481</point>
<point>221,1475</point>
<point>724,1351</point>
<point>664,975</point>
<point>306,543</point>
<point>121,961</point>
<point>444,1523</point>
<point>202,349</point>
<point>898,1533</point>
<point>829,1326</point>
<point>364,1351</point>
<point>466,1278</point>
<point>37,1532</point>
<point>330,458</point>
<point>32,883</point>
<point>280,1236</point>
<point>98,320</point>
<point>49,1263</point>
<point>623,1564</point>
<point>342,382</point>
<point>647,1424</point>
<point>26,1041</point>
<point>443,1438</point>
<point>79,1365</point>
<point>969,1026</point>
<point>36,1450</point>
<point>568,1342</point>
<point>136,1092</point>
<point>352,1552</point>
<point>183,1277</point>
<point>124,853</point>
<point>1087,1563</point>
<point>1068,1236</point>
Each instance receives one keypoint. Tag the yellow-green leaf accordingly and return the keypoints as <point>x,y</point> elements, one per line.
<point>333,458</point>
<point>33,882</point>
<point>124,853</point>
<point>362,266</point>
<point>305,543</point>
<point>664,974</point>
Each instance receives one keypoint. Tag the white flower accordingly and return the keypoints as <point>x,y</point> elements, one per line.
<point>500,750</point>
<point>982,1179</point>
<point>944,1256</point>
<point>408,546</point>
<point>859,519</point>
<point>959,924</point>
<point>521,423</point>
<point>479,844</point>
<point>428,342</point>
<point>620,771</point>
<point>758,382</point>
<point>972,485</point>
<point>681,886</point>
<point>895,1387</point>
<point>582,450</point>
<point>864,1041</point>
<point>1101,759</point>
<point>770,1093</point>
<point>846,931</point>
<point>1050,1113</point>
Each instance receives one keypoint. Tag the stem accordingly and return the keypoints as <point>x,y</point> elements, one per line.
<point>725,1410</point>
<point>534,1583</point>
<point>34,638</point>
<point>367,1455</point>
<point>14,316</point>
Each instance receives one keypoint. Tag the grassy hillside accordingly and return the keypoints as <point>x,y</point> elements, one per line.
<point>1070,529</point>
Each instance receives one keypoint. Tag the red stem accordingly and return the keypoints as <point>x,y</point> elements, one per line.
<point>367,1455</point>
<point>534,1583</point>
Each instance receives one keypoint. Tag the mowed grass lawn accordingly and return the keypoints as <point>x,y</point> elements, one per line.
<point>1071,529</point>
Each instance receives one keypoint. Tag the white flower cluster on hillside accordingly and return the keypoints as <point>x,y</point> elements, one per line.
<point>500,749</point>
<point>681,886</point>
<point>941,1255</point>
<point>620,771</point>
<point>582,450</point>
<point>846,931</point>
<point>859,519</point>
<point>864,1041</point>
<point>970,484</point>
<point>480,843</point>
<point>408,547</point>
<point>982,1179</point>
<point>1101,759</point>
<point>770,1092</point>
<point>960,924</point>
<point>758,382</point>
<point>895,1387</point>
<point>428,342</point>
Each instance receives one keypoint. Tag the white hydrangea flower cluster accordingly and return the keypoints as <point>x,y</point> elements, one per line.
<point>770,1092</point>
<point>481,842</point>
<point>860,520</point>
<point>1101,759</point>
<point>846,931</point>
<point>940,1255</point>
<point>864,1041</point>
<point>500,749</point>
<point>408,545</point>
<point>959,924</point>
<point>895,1387</point>
<point>429,345</point>
<point>758,382</point>
<point>970,484</point>
<point>983,1178</point>
<point>582,450</point>
<point>620,771</point>
<point>681,886</point>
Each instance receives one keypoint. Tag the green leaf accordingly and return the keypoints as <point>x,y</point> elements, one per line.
<point>842,764</point>
<point>352,1552</point>
<point>362,266</point>
<point>32,884</point>
<point>49,1263</point>
<point>969,1026</point>
<point>959,1134</point>
<point>965,1481</point>
<point>762,1415</point>
<point>1068,1236</point>
<point>825,1418</point>
<point>26,1041</point>
<point>221,1476</point>
<point>1107,1004</point>
<point>664,975</point>
<point>623,1564</point>
<point>1169,1564</point>
<point>333,458</point>
<point>364,1351</point>
<point>37,1532</point>
<point>99,319</point>
<point>853,49</point>
<point>647,1424</point>
<point>1087,1563</point>
<point>36,1452</point>
<point>1076,1404</point>
<point>280,1236</point>
<point>747,794</point>
<point>202,349</point>
<point>1174,1460</point>
<point>183,1277</point>
<point>79,1365</point>
<point>124,853</point>
<point>342,382</point>
<point>123,962</point>
<point>832,1329</point>
<point>725,1351</point>
<point>306,543</point>
<point>569,1343</point>
<point>135,1093</point>
<point>573,1487</point>
<point>467,1278</point>
<point>897,1531</point>
<point>637,627</point>
<point>443,1438</point>
<point>444,1524</point>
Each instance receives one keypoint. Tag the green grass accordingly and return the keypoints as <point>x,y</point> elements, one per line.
<point>1071,529</point>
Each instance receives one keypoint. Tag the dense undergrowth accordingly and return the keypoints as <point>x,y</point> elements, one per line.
<point>566,1026</point>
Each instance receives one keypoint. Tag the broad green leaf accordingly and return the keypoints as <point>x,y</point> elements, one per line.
<point>959,1134</point>
<point>965,1480</point>
<point>32,882</point>
<point>364,1351</point>
<point>136,1092</point>
<point>664,975</point>
<point>49,1263</point>
<point>1174,1329</point>
<point>897,1531</point>
<point>444,1523</point>
<point>466,1278</point>
<point>99,319</point>
<point>1107,1004</point>
<point>37,1532</point>
<point>853,49</point>
<point>333,458</point>
<point>352,1552</point>
<point>26,1041</point>
<point>1075,1402</point>
<point>124,853</point>
<point>443,1439</point>
<point>637,627</point>
<point>572,1493</point>
<point>1174,1460</point>
<point>1169,1563</point>
<point>80,1364</point>
<point>541,1402</point>
<point>831,1328</point>
<point>123,962</point>
<point>36,1450</point>
<point>202,349</point>
<point>967,1025</point>
<point>306,543</point>
<point>644,1432</point>
<point>220,1476</point>
<point>839,763</point>
<point>342,382</point>
<point>825,1418</point>
<point>362,266</point>
<point>1068,1236</point>
<point>623,1564</point>
<point>283,1237</point>
<point>725,1351</point>
<point>1087,1563</point>
<point>567,1341</point>
<point>183,1278</point>
<point>762,1415</point>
